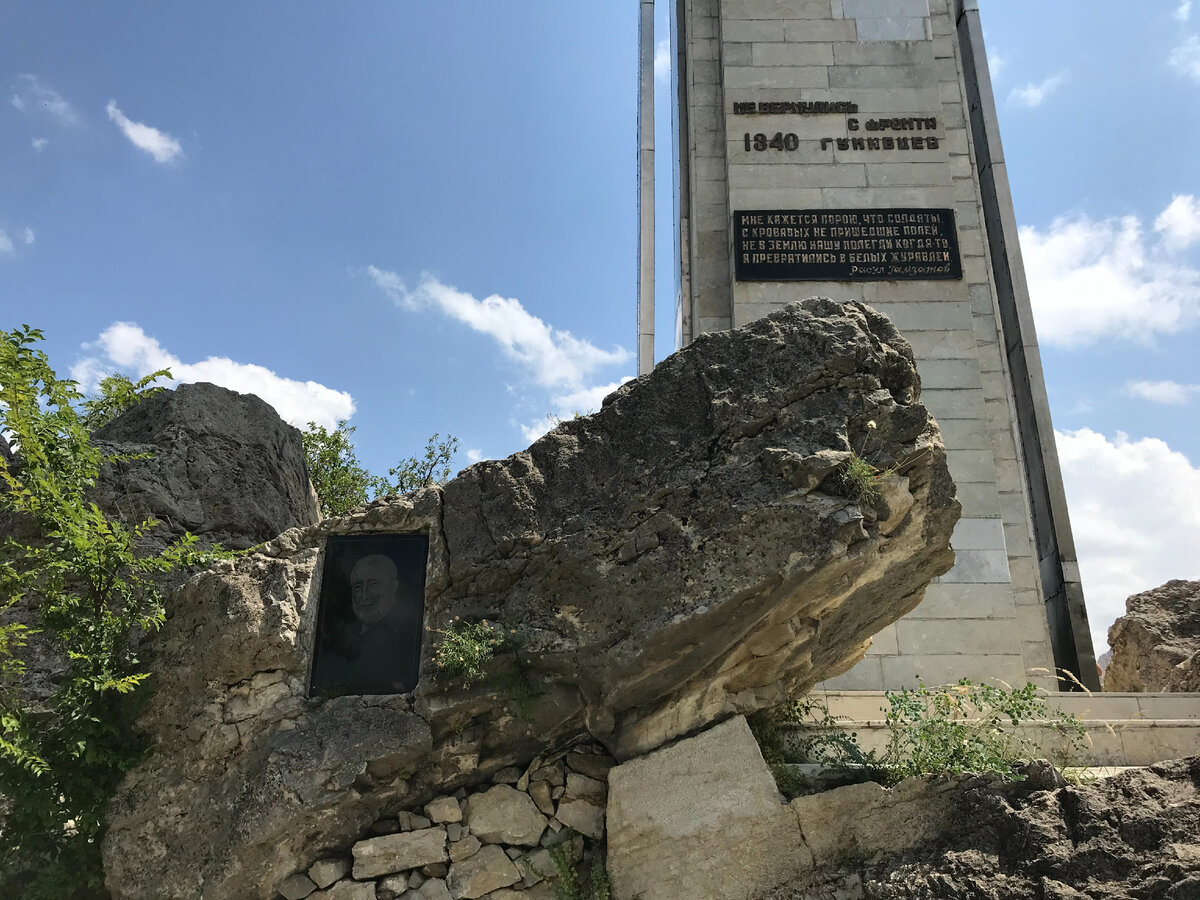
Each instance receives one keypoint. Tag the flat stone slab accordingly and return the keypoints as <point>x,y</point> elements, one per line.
<point>701,819</point>
<point>397,852</point>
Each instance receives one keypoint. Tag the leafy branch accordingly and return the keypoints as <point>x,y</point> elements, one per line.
<point>91,595</point>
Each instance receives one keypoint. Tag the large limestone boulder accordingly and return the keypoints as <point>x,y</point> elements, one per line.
<point>1156,644</point>
<point>219,464</point>
<point>687,554</point>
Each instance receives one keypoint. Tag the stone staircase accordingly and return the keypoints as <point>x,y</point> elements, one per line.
<point>1124,729</point>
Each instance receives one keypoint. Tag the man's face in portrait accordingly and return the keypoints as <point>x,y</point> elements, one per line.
<point>374,588</point>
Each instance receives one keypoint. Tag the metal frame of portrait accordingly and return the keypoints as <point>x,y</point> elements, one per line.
<point>371,614</point>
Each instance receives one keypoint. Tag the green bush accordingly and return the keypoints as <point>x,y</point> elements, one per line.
<point>802,730</point>
<point>343,484</point>
<point>963,727</point>
<point>967,727</point>
<point>93,595</point>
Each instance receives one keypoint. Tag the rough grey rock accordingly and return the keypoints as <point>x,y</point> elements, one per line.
<point>347,890</point>
<point>222,465</point>
<point>482,873</point>
<point>325,872</point>
<point>1156,644</point>
<point>464,848</point>
<point>434,889</point>
<point>593,765</point>
<point>297,887</point>
<point>504,815</point>
<point>583,816</point>
<point>1131,835</point>
<point>666,563</point>
<point>443,809</point>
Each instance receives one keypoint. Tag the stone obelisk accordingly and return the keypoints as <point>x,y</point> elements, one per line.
<point>850,149</point>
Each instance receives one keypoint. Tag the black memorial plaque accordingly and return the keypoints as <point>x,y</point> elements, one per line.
<point>845,245</point>
<point>371,614</point>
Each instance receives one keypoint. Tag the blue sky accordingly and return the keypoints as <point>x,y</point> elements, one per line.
<point>422,217</point>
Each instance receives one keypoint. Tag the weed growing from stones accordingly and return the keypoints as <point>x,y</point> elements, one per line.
<point>968,727</point>
<point>804,730</point>
<point>963,727</point>
<point>567,885</point>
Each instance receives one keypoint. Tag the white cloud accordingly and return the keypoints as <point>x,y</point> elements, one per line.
<point>587,399</point>
<point>535,429</point>
<point>581,402</point>
<point>38,144</point>
<point>32,94</point>
<point>996,63</point>
<point>1185,58</point>
<point>556,361</point>
<point>1184,12</point>
<point>1170,393</point>
<point>474,455</point>
<point>549,357</point>
<point>662,60</point>
<point>1031,95</point>
<point>158,144</point>
<point>12,244</point>
<point>1134,516</point>
<point>1179,223</point>
<point>1089,280</point>
<point>124,346</point>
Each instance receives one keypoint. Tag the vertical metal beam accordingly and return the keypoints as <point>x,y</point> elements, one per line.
<point>645,303</point>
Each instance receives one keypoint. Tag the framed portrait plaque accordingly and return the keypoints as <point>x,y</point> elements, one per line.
<point>370,615</point>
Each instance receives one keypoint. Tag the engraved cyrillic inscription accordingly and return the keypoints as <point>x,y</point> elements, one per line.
<point>845,245</point>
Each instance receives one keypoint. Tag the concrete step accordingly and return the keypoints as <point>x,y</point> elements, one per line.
<point>1123,729</point>
<point>871,705</point>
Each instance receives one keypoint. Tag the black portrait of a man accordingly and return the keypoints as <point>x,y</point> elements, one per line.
<point>370,617</point>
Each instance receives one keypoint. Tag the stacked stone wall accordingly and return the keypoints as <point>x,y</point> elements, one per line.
<point>495,841</point>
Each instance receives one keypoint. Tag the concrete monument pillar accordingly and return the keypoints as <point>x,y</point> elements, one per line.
<point>849,148</point>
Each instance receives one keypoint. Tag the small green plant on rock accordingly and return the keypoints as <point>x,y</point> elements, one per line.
<point>860,480</point>
<point>858,477</point>
<point>466,648</point>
